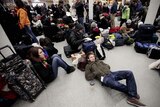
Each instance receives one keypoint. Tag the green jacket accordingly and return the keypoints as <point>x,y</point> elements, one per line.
<point>125,12</point>
<point>94,70</point>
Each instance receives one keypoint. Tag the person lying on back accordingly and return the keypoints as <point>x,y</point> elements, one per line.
<point>97,69</point>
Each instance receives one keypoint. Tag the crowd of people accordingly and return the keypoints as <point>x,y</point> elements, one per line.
<point>46,59</point>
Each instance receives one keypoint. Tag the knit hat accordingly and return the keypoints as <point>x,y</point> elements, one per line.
<point>93,25</point>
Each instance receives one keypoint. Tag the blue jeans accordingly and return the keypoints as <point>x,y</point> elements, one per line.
<point>81,20</point>
<point>57,61</point>
<point>112,80</point>
<point>31,34</point>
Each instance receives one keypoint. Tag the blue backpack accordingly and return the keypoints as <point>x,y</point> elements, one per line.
<point>88,46</point>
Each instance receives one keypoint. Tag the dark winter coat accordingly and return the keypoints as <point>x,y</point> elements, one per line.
<point>94,70</point>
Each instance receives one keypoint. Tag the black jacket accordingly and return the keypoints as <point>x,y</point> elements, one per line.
<point>45,73</point>
<point>75,40</point>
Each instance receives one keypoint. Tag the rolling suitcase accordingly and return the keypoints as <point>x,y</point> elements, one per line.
<point>21,76</point>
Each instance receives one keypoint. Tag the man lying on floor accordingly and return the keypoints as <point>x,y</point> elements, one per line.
<point>97,69</point>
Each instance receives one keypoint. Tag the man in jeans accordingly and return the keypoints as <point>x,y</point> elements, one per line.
<point>79,6</point>
<point>96,69</point>
<point>113,12</point>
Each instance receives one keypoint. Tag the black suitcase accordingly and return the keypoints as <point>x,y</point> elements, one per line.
<point>147,28</point>
<point>154,52</point>
<point>21,76</point>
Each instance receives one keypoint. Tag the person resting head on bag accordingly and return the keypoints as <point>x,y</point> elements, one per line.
<point>46,67</point>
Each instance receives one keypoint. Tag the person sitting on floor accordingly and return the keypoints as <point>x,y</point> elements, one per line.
<point>127,28</point>
<point>46,67</point>
<point>76,37</point>
<point>97,69</point>
<point>37,26</point>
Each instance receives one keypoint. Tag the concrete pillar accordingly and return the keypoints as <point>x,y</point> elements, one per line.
<point>123,1</point>
<point>152,11</point>
<point>90,9</point>
<point>4,41</point>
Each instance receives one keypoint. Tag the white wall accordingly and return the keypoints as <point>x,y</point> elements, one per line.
<point>152,11</point>
<point>4,41</point>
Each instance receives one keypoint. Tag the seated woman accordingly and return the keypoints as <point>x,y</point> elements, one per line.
<point>96,69</point>
<point>47,68</point>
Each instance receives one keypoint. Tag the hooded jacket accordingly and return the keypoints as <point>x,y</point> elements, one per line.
<point>94,70</point>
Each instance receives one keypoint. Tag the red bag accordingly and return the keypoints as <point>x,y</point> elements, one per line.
<point>82,63</point>
<point>6,94</point>
<point>114,29</point>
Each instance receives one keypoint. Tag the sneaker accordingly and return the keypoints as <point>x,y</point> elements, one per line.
<point>135,102</point>
<point>137,96</point>
<point>70,69</point>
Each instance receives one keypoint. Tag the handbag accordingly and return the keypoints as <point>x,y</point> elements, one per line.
<point>82,63</point>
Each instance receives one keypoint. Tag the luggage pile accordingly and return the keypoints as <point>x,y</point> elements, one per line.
<point>21,77</point>
<point>146,41</point>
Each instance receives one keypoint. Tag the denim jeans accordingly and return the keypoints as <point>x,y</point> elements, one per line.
<point>81,20</point>
<point>31,34</point>
<point>57,61</point>
<point>112,80</point>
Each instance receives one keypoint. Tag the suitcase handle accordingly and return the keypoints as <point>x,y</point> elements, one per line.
<point>6,46</point>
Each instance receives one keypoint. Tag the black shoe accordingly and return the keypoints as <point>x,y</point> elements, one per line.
<point>70,69</point>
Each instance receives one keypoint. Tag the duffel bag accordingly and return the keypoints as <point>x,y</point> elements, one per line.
<point>147,28</point>
<point>141,47</point>
<point>88,46</point>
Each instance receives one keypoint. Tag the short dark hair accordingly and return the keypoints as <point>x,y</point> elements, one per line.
<point>19,3</point>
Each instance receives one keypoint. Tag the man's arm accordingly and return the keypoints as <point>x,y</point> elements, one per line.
<point>89,75</point>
